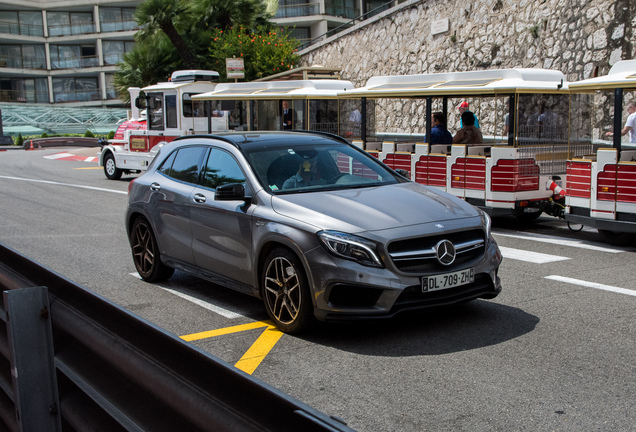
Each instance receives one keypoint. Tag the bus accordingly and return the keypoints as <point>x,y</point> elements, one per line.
<point>601,183</point>
<point>160,113</point>
<point>520,163</point>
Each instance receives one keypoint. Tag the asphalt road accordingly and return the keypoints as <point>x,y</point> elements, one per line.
<point>556,351</point>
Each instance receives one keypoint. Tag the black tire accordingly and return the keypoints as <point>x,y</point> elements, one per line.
<point>528,217</point>
<point>285,292</point>
<point>617,238</point>
<point>110,168</point>
<point>145,252</point>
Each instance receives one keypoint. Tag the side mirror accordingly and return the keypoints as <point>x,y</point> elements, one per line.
<point>139,102</point>
<point>231,192</point>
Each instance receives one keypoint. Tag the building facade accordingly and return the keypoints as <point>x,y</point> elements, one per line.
<point>63,51</point>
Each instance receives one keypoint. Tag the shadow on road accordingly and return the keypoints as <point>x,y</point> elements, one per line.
<point>434,332</point>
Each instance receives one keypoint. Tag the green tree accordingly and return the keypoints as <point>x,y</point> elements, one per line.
<point>166,16</point>
<point>264,52</point>
<point>149,62</point>
<point>224,14</point>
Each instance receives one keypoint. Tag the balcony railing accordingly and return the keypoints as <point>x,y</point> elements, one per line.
<point>9,27</point>
<point>340,11</point>
<point>66,30</point>
<point>75,63</point>
<point>120,25</point>
<point>77,96</point>
<point>22,62</point>
<point>25,96</point>
<point>299,10</point>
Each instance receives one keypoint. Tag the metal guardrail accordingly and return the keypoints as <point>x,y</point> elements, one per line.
<point>74,361</point>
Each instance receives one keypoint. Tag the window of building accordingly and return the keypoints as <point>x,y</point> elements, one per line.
<point>114,51</point>
<point>27,23</point>
<point>70,23</point>
<point>73,56</point>
<point>72,89</point>
<point>32,90</point>
<point>117,19</point>
<point>111,92</point>
<point>23,56</point>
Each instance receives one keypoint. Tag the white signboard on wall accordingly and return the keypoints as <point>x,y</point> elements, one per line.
<point>440,26</point>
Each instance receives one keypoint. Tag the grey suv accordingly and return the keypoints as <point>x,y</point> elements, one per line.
<point>312,225</point>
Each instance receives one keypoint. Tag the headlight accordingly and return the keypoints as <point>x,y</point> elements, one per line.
<point>350,247</point>
<point>487,223</point>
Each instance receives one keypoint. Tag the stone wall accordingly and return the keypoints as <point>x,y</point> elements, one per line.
<point>578,37</point>
<point>581,38</point>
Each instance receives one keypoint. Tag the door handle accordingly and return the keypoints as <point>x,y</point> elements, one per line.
<point>155,186</point>
<point>200,198</point>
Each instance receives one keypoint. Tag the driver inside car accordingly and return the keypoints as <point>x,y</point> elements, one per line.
<point>308,173</point>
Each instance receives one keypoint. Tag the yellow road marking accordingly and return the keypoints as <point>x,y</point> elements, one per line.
<point>225,331</point>
<point>259,349</point>
<point>97,167</point>
<point>257,352</point>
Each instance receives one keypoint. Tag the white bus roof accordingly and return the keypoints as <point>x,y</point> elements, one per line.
<point>178,85</point>
<point>266,90</point>
<point>485,82</point>
<point>621,75</point>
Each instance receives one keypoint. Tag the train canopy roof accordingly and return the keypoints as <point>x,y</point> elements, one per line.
<point>267,90</point>
<point>487,82</point>
<point>621,75</point>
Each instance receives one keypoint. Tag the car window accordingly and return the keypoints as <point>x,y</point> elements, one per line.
<point>166,166</point>
<point>305,168</point>
<point>221,168</point>
<point>185,166</point>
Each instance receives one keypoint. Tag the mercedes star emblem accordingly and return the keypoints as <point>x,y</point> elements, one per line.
<point>445,252</point>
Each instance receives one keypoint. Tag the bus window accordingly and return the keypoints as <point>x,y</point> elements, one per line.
<point>171,112</point>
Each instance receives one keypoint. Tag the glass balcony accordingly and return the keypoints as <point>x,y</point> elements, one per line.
<point>9,27</point>
<point>299,10</point>
<point>75,63</point>
<point>119,25</point>
<point>22,62</point>
<point>25,96</point>
<point>77,96</point>
<point>66,30</point>
<point>340,11</point>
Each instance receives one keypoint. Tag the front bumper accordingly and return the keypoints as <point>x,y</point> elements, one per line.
<point>345,291</point>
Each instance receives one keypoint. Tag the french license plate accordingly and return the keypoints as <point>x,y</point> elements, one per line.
<point>448,280</point>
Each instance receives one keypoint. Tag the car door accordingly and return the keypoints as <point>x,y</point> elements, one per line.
<point>169,203</point>
<point>222,230</point>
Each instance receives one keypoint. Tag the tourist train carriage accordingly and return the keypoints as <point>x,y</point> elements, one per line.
<point>258,105</point>
<point>519,164</point>
<point>601,185</point>
<point>160,113</point>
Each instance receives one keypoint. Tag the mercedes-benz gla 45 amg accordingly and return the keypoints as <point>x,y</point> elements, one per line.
<point>312,225</point>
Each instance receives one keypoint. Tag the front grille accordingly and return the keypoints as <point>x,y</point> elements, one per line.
<point>418,255</point>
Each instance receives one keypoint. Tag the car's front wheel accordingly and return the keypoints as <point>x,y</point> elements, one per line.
<point>285,292</point>
<point>146,255</point>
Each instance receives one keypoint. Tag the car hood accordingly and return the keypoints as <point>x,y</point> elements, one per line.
<point>373,208</point>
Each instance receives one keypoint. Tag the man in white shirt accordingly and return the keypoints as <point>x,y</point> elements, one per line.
<point>630,124</point>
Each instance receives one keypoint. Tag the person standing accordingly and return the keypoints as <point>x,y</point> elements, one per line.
<point>630,124</point>
<point>464,107</point>
<point>289,116</point>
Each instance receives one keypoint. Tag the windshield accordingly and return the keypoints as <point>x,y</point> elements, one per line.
<point>309,168</point>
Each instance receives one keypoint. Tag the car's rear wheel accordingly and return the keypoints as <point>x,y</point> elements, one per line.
<point>110,168</point>
<point>285,292</point>
<point>146,255</point>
